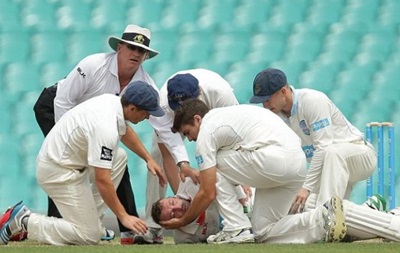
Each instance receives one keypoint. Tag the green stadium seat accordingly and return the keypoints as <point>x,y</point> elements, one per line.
<point>109,14</point>
<point>290,12</point>
<point>216,13</point>
<point>195,45</point>
<point>320,76</point>
<point>178,12</point>
<point>144,12</point>
<point>304,46</point>
<point>251,13</point>
<point>14,46</point>
<point>20,78</point>
<point>83,43</point>
<point>164,40</point>
<point>24,121</point>
<point>361,12</point>
<point>54,71</point>
<point>48,47</point>
<point>268,46</point>
<point>292,68</point>
<point>231,44</point>
<point>74,15</point>
<point>163,70</point>
<point>10,16</point>
<point>39,15</point>
<point>326,12</point>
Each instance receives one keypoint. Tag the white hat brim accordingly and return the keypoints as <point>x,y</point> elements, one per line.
<point>113,42</point>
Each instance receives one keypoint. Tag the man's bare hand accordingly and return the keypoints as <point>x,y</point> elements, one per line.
<point>155,169</point>
<point>188,171</point>
<point>135,224</point>
<point>299,201</point>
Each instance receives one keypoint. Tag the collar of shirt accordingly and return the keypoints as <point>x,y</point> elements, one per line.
<point>295,101</point>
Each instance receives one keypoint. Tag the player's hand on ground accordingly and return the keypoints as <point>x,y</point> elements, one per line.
<point>190,172</point>
<point>155,169</point>
<point>135,224</point>
<point>299,201</point>
<point>172,223</point>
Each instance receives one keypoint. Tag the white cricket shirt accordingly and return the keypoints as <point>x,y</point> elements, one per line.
<point>215,92</point>
<point>240,127</point>
<point>318,123</point>
<point>87,135</point>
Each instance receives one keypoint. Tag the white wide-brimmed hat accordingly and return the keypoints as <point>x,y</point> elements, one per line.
<point>134,35</point>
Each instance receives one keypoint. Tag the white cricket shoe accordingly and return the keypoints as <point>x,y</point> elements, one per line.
<point>333,215</point>
<point>153,236</point>
<point>237,236</point>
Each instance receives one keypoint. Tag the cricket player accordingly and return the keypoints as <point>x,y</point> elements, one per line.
<point>80,166</point>
<point>209,87</point>
<point>252,146</point>
<point>339,155</point>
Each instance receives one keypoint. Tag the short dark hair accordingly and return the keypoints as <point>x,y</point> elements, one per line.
<point>156,211</point>
<point>184,115</point>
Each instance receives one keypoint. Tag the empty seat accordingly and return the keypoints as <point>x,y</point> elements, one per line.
<point>74,14</point>
<point>178,12</point>
<point>231,45</point>
<point>195,45</point>
<point>48,47</point>
<point>267,46</point>
<point>39,15</point>
<point>251,13</point>
<point>326,12</point>
<point>15,46</point>
<point>20,78</point>
<point>304,46</point>
<point>10,16</point>
<point>216,13</point>
<point>84,43</point>
<point>109,14</point>
<point>292,69</point>
<point>145,12</point>
<point>55,71</point>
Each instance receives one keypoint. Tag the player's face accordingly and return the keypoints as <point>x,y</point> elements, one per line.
<point>173,208</point>
<point>131,56</point>
<point>137,115</point>
<point>276,102</point>
<point>190,131</point>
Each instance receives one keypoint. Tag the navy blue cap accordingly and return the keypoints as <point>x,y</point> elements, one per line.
<point>181,87</point>
<point>144,96</point>
<point>266,83</point>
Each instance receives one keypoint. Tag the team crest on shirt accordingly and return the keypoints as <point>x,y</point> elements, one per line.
<point>106,154</point>
<point>199,159</point>
<point>304,128</point>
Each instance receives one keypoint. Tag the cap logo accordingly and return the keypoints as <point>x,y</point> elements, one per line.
<point>257,88</point>
<point>139,39</point>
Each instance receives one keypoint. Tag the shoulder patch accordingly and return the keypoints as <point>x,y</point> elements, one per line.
<point>199,159</point>
<point>106,154</point>
<point>320,124</point>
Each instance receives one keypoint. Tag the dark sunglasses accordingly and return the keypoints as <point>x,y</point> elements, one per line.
<point>133,48</point>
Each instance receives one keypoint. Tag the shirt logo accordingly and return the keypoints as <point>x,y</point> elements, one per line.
<point>308,150</point>
<point>81,72</point>
<point>199,159</point>
<point>106,154</point>
<point>320,124</point>
<point>304,128</point>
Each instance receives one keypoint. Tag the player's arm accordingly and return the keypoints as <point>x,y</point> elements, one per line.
<point>132,141</point>
<point>170,168</point>
<point>107,191</point>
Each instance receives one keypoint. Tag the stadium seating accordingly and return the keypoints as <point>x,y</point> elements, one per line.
<point>348,49</point>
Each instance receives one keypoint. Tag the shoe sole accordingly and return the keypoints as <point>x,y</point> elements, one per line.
<point>337,229</point>
<point>238,240</point>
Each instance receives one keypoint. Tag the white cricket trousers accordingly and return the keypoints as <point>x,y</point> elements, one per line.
<point>344,164</point>
<point>277,174</point>
<point>78,200</point>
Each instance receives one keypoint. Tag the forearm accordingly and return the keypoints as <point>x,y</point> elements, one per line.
<point>314,172</point>
<point>108,193</point>
<point>170,168</point>
<point>200,203</point>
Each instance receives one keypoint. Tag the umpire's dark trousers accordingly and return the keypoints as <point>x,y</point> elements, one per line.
<point>44,113</point>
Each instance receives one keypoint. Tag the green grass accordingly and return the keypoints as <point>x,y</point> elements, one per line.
<point>168,247</point>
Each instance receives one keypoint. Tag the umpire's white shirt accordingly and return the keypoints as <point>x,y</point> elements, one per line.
<point>87,135</point>
<point>94,75</point>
